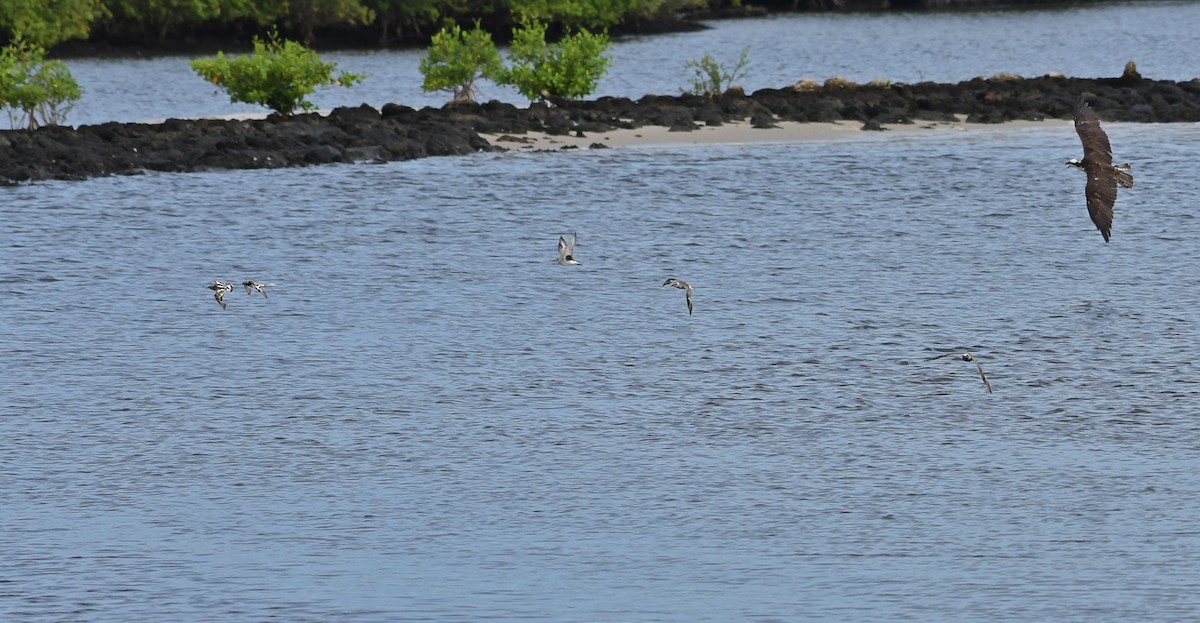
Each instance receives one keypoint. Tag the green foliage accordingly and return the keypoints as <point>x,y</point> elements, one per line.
<point>575,13</point>
<point>47,22</point>
<point>457,58</point>
<point>402,15</point>
<point>569,68</point>
<point>305,15</point>
<point>651,9</point>
<point>280,75</point>
<point>33,90</point>
<point>158,19</point>
<point>711,78</point>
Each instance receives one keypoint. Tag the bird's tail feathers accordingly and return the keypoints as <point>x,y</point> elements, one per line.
<point>1123,176</point>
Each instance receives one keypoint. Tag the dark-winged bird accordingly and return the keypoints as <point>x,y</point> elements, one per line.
<point>968,357</point>
<point>1103,176</point>
<point>682,285</point>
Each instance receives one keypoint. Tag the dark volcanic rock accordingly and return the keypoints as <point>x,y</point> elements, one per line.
<point>763,121</point>
<point>398,132</point>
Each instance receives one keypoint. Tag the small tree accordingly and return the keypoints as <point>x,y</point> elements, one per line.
<point>33,90</point>
<point>570,68</point>
<point>711,78</point>
<point>457,58</point>
<point>280,75</point>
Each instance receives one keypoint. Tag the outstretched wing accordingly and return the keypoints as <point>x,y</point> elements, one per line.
<point>1101,192</point>
<point>688,293</point>
<point>1101,189</point>
<point>1095,142</point>
<point>986,385</point>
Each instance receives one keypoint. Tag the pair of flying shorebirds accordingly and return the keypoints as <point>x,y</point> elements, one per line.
<point>566,257</point>
<point>221,288</point>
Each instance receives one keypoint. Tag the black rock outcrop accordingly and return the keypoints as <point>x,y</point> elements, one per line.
<point>401,133</point>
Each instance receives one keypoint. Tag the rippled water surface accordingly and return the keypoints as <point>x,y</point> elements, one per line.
<point>429,420</point>
<point>1089,41</point>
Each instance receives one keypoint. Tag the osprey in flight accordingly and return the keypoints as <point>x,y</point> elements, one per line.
<point>1102,175</point>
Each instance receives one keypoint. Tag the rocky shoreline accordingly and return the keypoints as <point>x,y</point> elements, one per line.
<point>398,132</point>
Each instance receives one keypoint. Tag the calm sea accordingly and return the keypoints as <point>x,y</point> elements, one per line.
<point>429,420</point>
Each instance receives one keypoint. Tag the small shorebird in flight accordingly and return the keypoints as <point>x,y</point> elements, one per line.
<point>566,251</point>
<point>968,357</point>
<point>253,286</point>
<point>682,285</point>
<point>220,289</point>
<point>1102,175</point>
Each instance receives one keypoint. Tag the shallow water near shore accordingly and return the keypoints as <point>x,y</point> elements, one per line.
<point>430,420</point>
<point>1082,41</point>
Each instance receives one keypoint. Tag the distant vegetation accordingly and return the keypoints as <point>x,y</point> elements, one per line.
<point>196,24</point>
<point>165,23</point>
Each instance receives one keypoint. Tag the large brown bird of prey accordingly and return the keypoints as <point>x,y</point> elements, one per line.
<point>1102,175</point>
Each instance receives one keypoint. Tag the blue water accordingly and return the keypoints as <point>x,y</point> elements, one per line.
<point>1084,41</point>
<point>430,420</point>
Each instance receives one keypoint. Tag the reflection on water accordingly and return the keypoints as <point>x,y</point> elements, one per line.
<point>430,420</point>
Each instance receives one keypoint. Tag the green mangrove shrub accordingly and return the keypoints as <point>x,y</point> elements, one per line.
<point>570,68</point>
<point>279,75</point>
<point>710,78</point>
<point>457,59</point>
<point>34,91</point>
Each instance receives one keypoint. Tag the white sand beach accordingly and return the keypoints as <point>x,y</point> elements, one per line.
<point>743,132</point>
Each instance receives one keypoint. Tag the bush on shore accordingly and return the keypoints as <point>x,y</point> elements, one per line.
<point>710,78</point>
<point>457,59</point>
<point>279,75</point>
<point>569,68</point>
<point>34,91</point>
